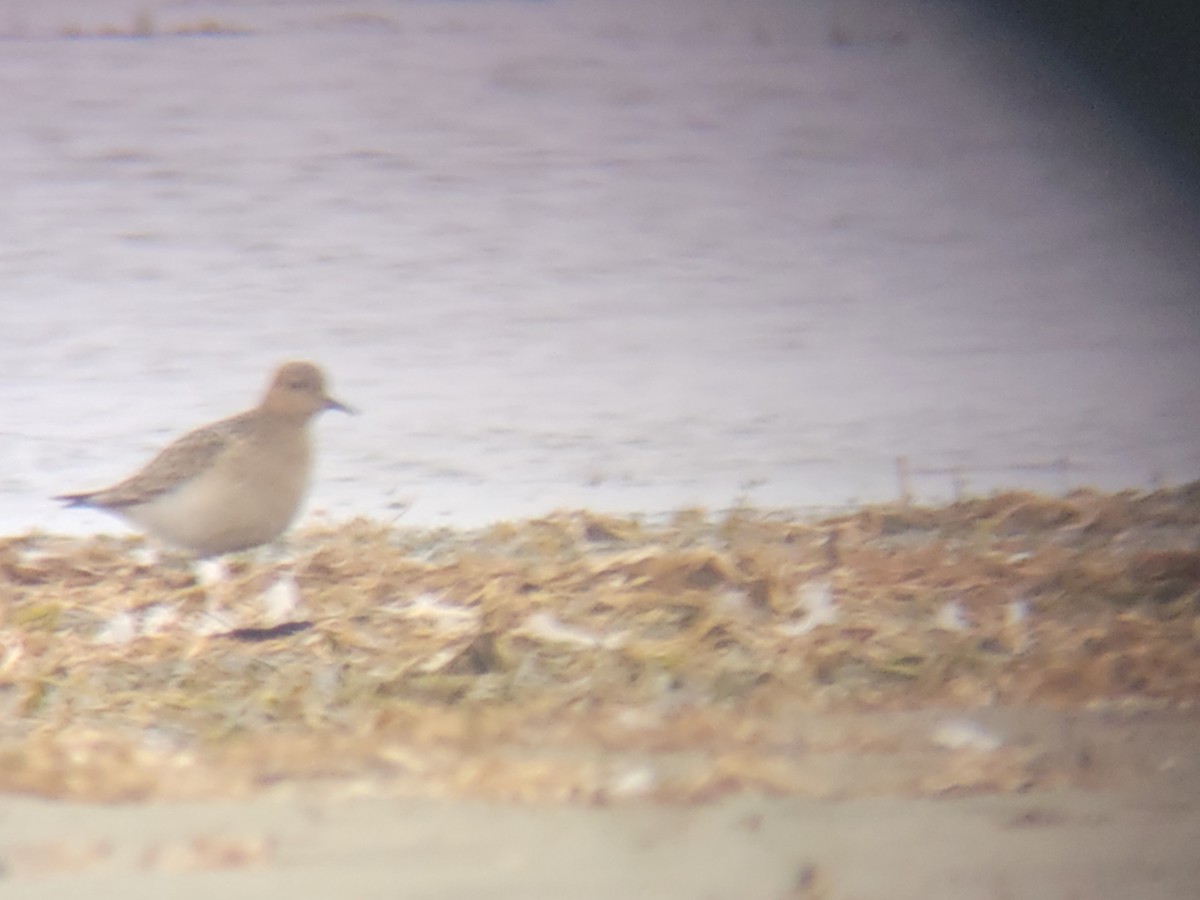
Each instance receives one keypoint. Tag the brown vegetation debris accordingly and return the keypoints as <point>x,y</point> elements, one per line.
<point>587,657</point>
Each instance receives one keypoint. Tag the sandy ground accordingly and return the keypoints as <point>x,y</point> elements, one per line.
<point>1131,832</point>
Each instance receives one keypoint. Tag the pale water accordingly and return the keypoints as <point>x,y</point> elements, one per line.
<point>631,256</point>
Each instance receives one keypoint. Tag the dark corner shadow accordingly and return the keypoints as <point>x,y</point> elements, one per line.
<point>1142,58</point>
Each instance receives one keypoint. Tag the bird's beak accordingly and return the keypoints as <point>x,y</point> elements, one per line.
<point>330,403</point>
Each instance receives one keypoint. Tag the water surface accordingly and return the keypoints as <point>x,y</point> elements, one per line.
<point>625,255</point>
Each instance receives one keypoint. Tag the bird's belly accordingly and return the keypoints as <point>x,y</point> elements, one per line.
<point>214,513</point>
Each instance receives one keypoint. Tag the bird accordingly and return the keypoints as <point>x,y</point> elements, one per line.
<point>231,485</point>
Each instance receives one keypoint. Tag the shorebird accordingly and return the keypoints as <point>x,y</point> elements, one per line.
<point>230,485</point>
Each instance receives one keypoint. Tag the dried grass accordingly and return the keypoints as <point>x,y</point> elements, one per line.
<point>587,658</point>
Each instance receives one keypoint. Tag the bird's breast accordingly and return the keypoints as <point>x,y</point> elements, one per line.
<point>249,496</point>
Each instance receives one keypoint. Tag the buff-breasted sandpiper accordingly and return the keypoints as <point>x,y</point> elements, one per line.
<point>231,485</point>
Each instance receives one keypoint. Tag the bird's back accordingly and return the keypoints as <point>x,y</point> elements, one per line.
<point>175,465</point>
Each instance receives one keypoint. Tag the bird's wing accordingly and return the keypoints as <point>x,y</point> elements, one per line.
<point>176,464</point>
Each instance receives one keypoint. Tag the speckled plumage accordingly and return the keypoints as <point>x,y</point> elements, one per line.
<point>230,485</point>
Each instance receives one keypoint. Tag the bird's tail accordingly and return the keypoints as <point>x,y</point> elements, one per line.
<point>75,499</point>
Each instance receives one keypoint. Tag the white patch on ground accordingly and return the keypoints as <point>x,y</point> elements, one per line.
<point>963,734</point>
<point>145,621</point>
<point>951,617</point>
<point>547,627</point>
<point>815,606</point>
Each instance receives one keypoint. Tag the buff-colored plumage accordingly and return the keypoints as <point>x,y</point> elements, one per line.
<point>231,485</point>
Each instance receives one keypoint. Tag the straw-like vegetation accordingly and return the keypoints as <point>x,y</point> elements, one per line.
<point>591,658</point>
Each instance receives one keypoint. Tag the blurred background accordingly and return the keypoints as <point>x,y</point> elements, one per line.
<point>625,255</point>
